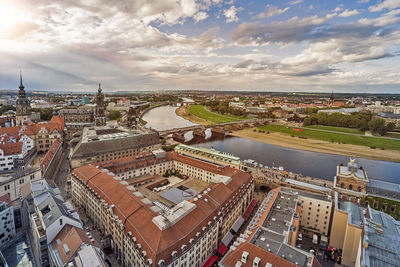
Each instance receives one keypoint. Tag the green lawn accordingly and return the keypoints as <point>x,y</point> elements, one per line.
<point>201,112</point>
<point>379,143</point>
<point>336,129</point>
<point>393,135</point>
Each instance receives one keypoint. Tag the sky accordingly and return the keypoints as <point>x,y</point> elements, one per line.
<point>258,45</point>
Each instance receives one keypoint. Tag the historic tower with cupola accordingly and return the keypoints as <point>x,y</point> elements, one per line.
<point>350,182</point>
<point>99,112</point>
<point>23,105</point>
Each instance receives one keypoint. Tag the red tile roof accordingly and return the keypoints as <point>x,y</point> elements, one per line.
<point>160,244</point>
<point>44,163</point>
<point>11,148</point>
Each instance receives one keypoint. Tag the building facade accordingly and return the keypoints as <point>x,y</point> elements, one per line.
<point>76,120</point>
<point>7,225</point>
<point>148,230</point>
<point>210,155</point>
<point>12,182</point>
<point>100,110</point>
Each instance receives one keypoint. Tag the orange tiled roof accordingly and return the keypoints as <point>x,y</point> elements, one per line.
<point>11,148</point>
<point>44,163</point>
<point>74,238</point>
<point>11,131</point>
<point>137,217</point>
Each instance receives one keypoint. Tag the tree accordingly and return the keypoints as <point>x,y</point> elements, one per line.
<point>114,115</point>
<point>390,126</point>
<point>363,125</point>
<point>377,125</point>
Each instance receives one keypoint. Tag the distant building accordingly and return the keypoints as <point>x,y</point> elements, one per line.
<point>23,106</point>
<point>240,105</point>
<point>391,117</point>
<point>339,110</point>
<point>76,120</point>
<point>99,111</point>
<point>101,143</point>
<point>84,100</point>
<point>256,110</point>
<point>7,225</point>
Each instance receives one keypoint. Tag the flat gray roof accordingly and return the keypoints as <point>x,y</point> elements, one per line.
<point>273,242</point>
<point>355,212</point>
<point>383,189</point>
<point>281,214</point>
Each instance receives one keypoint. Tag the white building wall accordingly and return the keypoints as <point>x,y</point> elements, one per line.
<point>7,225</point>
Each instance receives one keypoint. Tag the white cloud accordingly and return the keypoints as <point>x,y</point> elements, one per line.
<point>200,16</point>
<point>386,4</point>
<point>295,2</point>
<point>231,14</point>
<point>363,1</point>
<point>347,13</point>
<point>272,11</point>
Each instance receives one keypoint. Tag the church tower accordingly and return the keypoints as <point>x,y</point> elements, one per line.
<point>99,112</point>
<point>23,105</point>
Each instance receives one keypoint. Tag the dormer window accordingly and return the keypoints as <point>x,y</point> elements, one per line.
<point>174,254</point>
<point>183,248</point>
<point>161,263</point>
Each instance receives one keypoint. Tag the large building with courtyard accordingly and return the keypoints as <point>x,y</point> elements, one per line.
<point>162,208</point>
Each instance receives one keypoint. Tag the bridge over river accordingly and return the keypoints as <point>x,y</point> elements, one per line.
<point>216,128</point>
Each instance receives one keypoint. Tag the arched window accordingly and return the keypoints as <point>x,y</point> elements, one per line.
<point>350,186</point>
<point>359,189</point>
<point>342,185</point>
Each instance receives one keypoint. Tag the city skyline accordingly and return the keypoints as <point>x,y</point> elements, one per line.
<point>298,45</point>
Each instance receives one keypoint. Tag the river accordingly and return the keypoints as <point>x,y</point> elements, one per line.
<point>308,163</point>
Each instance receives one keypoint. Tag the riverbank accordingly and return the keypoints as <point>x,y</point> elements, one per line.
<point>318,145</point>
<point>183,112</point>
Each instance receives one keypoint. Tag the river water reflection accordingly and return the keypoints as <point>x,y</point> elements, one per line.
<point>308,163</point>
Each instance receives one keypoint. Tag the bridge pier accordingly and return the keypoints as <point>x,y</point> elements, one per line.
<point>218,131</point>
<point>200,133</point>
<point>179,137</point>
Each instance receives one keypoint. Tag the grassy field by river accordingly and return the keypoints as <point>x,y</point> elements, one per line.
<point>201,112</point>
<point>316,145</point>
<point>335,137</point>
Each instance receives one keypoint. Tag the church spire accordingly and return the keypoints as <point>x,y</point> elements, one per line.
<point>21,86</point>
<point>99,87</point>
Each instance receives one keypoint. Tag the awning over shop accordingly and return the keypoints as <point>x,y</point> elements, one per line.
<point>210,261</point>
<point>227,239</point>
<point>237,224</point>
<point>249,209</point>
<point>222,249</point>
